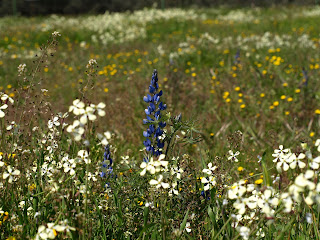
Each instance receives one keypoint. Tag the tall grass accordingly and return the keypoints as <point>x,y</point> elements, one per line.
<point>219,143</point>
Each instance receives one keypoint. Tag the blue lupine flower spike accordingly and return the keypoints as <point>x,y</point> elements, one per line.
<point>153,142</point>
<point>106,167</point>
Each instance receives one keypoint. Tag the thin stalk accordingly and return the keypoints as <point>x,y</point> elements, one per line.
<point>162,218</point>
<point>223,227</point>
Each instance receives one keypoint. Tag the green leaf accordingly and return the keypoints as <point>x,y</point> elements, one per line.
<point>213,219</point>
<point>145,216</point>
<point>183,224</point>
<point>266,175</point>
<point>211,215</point>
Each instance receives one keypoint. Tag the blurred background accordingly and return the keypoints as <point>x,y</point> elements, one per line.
<point>42,7</point>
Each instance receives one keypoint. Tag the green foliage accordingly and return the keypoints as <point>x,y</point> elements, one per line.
<point>235,110</point>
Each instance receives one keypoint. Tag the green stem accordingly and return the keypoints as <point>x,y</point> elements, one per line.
<point>223,227</point>
<point>162,218</point>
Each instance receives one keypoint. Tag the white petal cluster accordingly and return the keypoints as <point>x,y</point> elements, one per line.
<point>104,138</point>
<point>85,113</point>
<point>244,232</point>
<point>250,200</point>
<point>209,181</point>
<point>56,34</point>
<point>50,231</point>
<point>76,129</point>
<point>92,63</point>
<point>153,166</point>
<point>54,122</point>
<point>83,156</point>
<point>282,156</point>
<point>111,28</point>
<point>11,174</point>
<point>22,68</point>
<point>5,99</point>
<point>233,156</point>
<point>176,171</point>
<point>158,183</point>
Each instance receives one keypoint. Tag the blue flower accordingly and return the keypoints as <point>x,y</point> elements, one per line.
<point>237,57</point>
<point>305,76</point>
<point>205,195</point>
<point>106,167</point>
<point>153,143</point>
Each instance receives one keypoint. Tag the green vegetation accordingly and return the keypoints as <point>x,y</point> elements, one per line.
<point>241,161</point>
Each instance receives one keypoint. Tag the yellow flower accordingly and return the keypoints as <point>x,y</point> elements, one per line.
<point>286,112</point>
<point>32,187</point>
<point>228,100</point>
<point>240,94</point>
<point>240,100</point>
<point>285,84</point>
<point>262,95</point>
<point>211,134</point>
<point>237,89</point>
<point>46,69</point>
<point>312,134</point>
<point>240,169</point>
<point>283,97</point>
<point>193,74</point>
<point>264,72</point>
<point>9,86</point>
<point>317,111</point>
<point>106,90</point>
<point>225,95</point>
<point>297,90</point>
<point>290,99</point>
<point>70,69</point>
<point>194,83</point>
<point>259,181</point>
<point>11,155</point>
<point>251,174</point>
<point>165,79</point>
<point>271,107</point>
<point>276,103</point>
<point>242,106</point>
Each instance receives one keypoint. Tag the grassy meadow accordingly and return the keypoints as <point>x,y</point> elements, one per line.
<point>220,142</point>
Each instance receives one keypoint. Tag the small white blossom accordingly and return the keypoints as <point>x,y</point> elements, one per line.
<point>11,174</point>
<point>188,228</point>
<point>56,34</point>
<point>158,182</point>
<point>233,156</point>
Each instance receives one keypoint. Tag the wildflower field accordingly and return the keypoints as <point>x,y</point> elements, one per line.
<point>161,124</point>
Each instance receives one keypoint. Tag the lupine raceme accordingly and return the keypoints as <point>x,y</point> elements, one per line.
<point>154,142</point>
